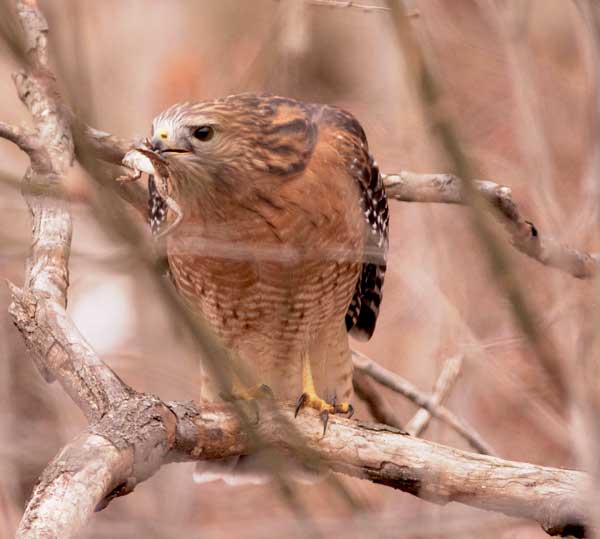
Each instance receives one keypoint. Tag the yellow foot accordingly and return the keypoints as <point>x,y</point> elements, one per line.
<point>239,393</point>
<point>312,400</point>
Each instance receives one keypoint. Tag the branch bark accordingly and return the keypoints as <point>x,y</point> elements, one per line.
<point>115,455</point>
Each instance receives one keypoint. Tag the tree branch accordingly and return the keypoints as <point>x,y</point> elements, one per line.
<point>430,471</point>
<point>63,353</point>
<point>349,4</point>
<point>23,138</point>
<point>449,189</point>
<point>443,385</point>
<point>116,454</point>
<point>73,485</point>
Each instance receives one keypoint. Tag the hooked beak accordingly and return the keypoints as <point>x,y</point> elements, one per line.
<point>161,146</point>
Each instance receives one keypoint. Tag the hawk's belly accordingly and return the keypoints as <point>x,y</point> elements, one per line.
<point>268,312</point>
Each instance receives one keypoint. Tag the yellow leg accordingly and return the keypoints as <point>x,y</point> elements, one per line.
<point>309,397</point>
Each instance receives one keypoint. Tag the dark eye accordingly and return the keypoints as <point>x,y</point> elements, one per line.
<point>204,132</point>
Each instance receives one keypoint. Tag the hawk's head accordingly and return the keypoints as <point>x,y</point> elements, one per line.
<point>234,141</point>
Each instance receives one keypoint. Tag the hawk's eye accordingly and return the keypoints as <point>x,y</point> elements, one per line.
<point>204,132</point>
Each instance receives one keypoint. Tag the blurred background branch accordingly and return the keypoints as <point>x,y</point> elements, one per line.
<point>443,386</point>
<point>428,402</point>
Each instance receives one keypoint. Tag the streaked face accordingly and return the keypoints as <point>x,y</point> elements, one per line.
<point>234,139</point>
<point>194,142</point>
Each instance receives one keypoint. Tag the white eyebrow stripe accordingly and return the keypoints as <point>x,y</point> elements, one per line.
<point>179,116</point>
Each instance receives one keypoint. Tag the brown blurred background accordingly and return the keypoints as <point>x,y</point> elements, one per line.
<point>519,83</point>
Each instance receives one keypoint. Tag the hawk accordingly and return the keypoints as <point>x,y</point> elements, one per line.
<point>282,244</point>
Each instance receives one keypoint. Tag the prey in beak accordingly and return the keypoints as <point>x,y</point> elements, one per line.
<point>147,158</point>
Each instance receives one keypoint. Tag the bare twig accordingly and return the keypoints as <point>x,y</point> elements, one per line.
<point>23,138</point>
<point>404,186</point>
<point>407,186</point>
<point>348,4</point>
<point>443,385</point>
<point>405,388</point>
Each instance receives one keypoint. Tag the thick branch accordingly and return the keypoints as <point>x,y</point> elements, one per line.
<point>73,485</point>
<point>144,433</point>
<point>430,471</point>
<point>39,308</point>
<point>64,354</point>
<point>144,427</point>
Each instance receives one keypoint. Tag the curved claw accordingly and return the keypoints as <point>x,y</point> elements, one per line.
<point>325,418</point>
<point>350,411</point>
<point>324,408</point>
<point>300,403</point>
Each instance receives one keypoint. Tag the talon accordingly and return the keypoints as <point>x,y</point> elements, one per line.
<point>325,409</point>
<point>310,399</point>
<point>325,417</point>
<point>300,403</point>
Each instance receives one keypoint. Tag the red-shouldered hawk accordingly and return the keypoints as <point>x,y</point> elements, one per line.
<point>282,245</point>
